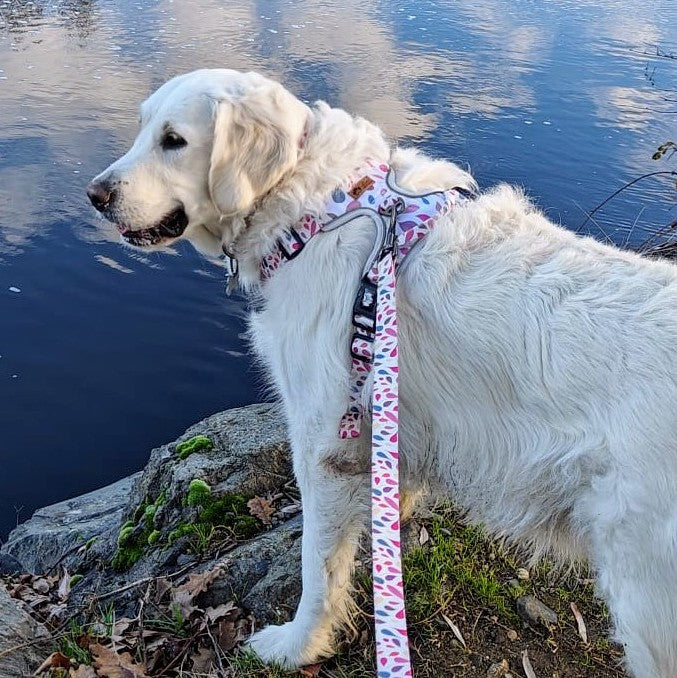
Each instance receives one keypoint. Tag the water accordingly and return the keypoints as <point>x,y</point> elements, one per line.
<point>106,353</point>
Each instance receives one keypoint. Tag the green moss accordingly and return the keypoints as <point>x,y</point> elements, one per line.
<point>126,556</point>
<point>198,493</point>
<point>90,543</point>
<point>194,444</point>
<point>125,535</point>
<point>181,530</point>
<point>75,579</point>
<point>228,512</point>
<point>135,535</point>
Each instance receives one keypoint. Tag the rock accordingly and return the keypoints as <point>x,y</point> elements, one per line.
<point>55,531</point>
<point>498,670</point>
<point>265,574</point>
<point>536,612</point>
<point>244,452</point>
<point>523,574</point>
<point>249,455</point>
<point>9,565</point>
<point>20,654</point>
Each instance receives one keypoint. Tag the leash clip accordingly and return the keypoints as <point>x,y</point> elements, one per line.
<point>392,212</point>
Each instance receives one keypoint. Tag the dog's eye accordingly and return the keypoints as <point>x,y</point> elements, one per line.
<point>172,140</point>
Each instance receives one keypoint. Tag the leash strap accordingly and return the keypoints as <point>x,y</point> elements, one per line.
<point>403,220</point>
<point>392,644</point>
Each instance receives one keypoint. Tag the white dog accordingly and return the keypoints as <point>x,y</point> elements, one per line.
<point>538,384</point>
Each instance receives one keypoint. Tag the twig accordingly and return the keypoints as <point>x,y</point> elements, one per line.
<point>145,580</point>
<point>608,239</point>
<point>671,173</point>
<point>217,649</point>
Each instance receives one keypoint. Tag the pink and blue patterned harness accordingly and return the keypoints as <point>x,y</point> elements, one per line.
<point>401,220</point>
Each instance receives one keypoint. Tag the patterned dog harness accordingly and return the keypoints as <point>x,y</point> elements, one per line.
<point>401,220</point>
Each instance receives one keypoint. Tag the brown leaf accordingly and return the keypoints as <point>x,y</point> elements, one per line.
<point>64,585</point>
<point>310,671</point>
<point>262,509</point>
<point>162,586</point>
<point>223,610</point>
<point>82,672</point>
<point>110,664</point>
<point>56,660</point>
<point>184,595</point>
<point>227,636</point>
<point>203,660</point>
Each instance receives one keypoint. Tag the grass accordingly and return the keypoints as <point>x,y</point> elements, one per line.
<point>454,561</point>
<point>458,574</point>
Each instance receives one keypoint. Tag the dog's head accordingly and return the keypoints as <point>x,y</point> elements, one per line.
<point>212,142</point>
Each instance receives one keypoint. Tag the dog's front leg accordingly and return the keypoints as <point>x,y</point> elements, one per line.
<point>335,514</point>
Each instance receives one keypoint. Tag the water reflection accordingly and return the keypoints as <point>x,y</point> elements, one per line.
<point>73,71</point>
<point>560,96</point>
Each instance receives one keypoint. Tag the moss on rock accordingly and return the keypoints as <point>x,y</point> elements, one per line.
<point>194,444</point>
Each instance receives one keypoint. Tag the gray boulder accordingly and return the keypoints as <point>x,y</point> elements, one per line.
<point>22,639</point>
<point>57,531</point>
<point>239,453</point>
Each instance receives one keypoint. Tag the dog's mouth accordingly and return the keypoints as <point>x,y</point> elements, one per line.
<point>168,228</point>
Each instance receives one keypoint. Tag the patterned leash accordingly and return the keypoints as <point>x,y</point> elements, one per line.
<point>392,645</point>
<point>402,220</point>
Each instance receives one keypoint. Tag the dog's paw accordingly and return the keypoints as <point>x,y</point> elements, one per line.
<point>285,645</point>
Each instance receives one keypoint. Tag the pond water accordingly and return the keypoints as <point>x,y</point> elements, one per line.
<point>106,353</point>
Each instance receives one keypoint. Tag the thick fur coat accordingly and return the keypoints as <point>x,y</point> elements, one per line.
<point>538,368</point>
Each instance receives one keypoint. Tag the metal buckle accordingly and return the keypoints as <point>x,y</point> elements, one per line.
<point>294,253</point>
<point>392,212</point>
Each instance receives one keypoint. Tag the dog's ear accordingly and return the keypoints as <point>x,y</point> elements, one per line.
<point>255,144</point>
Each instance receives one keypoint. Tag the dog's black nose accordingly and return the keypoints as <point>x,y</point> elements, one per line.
<point>101,194</point>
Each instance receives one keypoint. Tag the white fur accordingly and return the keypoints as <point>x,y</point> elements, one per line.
<point>538,381</point>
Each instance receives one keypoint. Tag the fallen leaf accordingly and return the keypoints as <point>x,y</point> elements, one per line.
<point>203,660</point>
<point>262,509</point>
<point>291,509</point>
<point>423,536</point>
<point>523,574</point>
<point>110,664</point>
<point>310,671</point>
<point>121,625</point>
<point>526,665</point>
<point>57,612</point>
<point>64,585</point>
<point>82,671</point>
<point>498,670</point>
<point>162,586</point>
<point>56,660</point>
<point>216,613</point>
<point>184,595</point>
<point>227,635</point>
<point>455,629</point>
<point>582,631</point>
